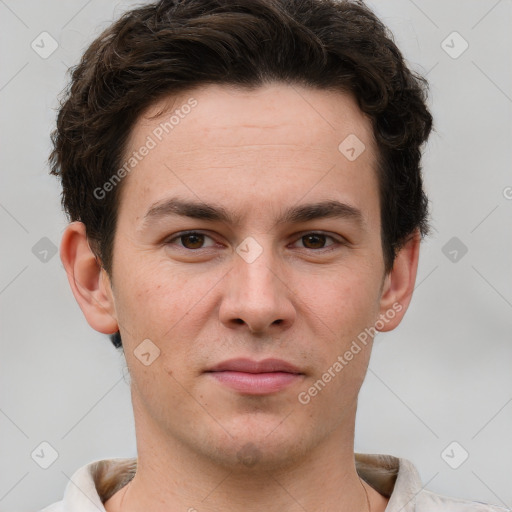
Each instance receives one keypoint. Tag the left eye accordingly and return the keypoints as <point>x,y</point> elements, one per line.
<point>317,240</point>
<point>194,240</point>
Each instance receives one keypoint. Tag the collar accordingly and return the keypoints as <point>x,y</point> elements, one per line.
<point>93,484</point>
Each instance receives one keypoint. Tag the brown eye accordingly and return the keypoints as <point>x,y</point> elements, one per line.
<point>193,240</point>
<point>314,241</point>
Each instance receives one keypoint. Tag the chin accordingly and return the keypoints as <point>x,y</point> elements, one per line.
<point>256,448</point>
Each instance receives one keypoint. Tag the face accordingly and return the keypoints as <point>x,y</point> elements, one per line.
<point>265,273</point>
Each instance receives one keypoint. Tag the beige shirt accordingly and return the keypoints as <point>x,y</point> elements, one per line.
<point>396,479</point>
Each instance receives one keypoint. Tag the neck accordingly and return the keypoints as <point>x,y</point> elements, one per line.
<point>172,477</point>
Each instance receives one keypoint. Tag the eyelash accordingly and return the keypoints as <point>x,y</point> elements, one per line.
<point>337,242</point>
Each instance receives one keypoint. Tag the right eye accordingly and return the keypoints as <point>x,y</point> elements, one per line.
<point>190,240</point>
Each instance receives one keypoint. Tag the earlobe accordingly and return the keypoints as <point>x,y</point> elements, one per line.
<point>89,282</point>
<point>399,284</point>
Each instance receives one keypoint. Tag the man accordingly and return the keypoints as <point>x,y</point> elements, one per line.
<point>243,180</point>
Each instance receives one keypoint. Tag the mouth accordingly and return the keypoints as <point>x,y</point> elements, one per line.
<point>256,377</point>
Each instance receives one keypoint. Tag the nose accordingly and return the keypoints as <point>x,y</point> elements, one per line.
<point>258,296</point>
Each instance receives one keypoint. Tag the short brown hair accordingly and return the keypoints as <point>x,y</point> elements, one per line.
<point>171,46</point>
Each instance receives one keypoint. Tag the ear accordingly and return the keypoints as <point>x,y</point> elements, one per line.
<point>398,285</point>
<point>89,282</point>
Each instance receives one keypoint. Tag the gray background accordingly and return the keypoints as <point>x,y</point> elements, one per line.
<point>444,375</point>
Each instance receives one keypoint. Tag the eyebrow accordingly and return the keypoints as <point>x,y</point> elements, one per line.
<point>294,215</point>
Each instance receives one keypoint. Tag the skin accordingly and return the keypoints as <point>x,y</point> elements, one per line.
<point>256,153</point>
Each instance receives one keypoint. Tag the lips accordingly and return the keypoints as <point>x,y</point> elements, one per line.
<point>250,366</point>
<point>250,377</point>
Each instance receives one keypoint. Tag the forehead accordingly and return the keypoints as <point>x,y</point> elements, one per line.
<point>294,113</point>
<point>278,141</point>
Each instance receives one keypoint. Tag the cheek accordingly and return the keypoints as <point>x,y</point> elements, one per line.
<point>344,300</point>
<point>343,308</point>
<point>162,302</point>
<point>147,300</point>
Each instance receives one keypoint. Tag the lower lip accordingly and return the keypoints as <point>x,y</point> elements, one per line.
<point>256,383</point>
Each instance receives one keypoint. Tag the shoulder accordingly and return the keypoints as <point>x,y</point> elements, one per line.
<point>428,501</point>
<point>398,479</point>
<point>92,485</point>
<point>55,507</point>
